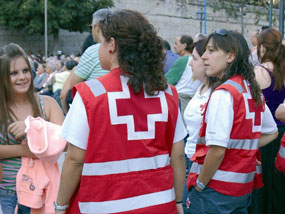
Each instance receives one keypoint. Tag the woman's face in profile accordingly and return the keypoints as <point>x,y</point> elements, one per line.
<point>104,55</point>
<point>197,64</point>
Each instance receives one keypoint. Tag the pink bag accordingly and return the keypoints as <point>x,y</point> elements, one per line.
<point>280,158</point>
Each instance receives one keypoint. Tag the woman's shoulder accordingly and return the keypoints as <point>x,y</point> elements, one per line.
<point>47,99</point>
<point>52,109</point>
<point>262,75</point>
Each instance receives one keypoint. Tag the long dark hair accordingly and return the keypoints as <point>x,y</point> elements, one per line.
<point>7,54</point>
<point>274,52</point>
<point>234,42</point>
<point>140,49</point>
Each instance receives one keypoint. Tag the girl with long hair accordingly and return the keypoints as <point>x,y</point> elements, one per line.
<point>17,101</point>
<point>270,76</point>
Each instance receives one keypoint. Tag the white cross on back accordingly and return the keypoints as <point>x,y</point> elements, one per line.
<point>129,119</point>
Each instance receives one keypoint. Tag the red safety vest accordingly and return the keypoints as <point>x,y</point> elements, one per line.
<point>280,157</point>
<point>235,176</point>
<point>127,162</point>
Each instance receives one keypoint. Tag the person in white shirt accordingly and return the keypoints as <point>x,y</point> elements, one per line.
<point>195,108</point>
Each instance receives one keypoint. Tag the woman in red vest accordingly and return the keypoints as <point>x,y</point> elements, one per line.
<point>125,132</point>
<point>236,122</point>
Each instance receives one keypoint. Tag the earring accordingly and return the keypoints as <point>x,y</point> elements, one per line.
<point>110,51</point>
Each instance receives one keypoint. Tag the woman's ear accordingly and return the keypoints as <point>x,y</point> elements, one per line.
<point>230,57</point>
<point>112,45</point>
<point>262,50</point>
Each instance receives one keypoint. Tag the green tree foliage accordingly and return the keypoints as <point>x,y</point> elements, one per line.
<point>233,7</point>
<point>28,15</point>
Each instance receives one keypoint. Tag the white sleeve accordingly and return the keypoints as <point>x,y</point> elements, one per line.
<point>75,128</point>
<point>219,118</point>
<point>180,131</point>
<point>268,125</point>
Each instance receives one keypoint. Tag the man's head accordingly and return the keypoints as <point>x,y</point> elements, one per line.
<point>198,37</point>
<point>183,45</point>
<point>166,46</point>
<point>98,16</point>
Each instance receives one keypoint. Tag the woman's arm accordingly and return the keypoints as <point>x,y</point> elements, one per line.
<point>71,81</point>
<point>267,138</point>
<point>12,151</point>
<point>213,160</point>
<point>72,168</point>
<point>280,112</point>
<point>178,164</point>
<point>269,129</point>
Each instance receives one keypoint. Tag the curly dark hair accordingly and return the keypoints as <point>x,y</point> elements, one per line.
<point>271,39</point>
<point>234,42</point>
<point>140,49</point>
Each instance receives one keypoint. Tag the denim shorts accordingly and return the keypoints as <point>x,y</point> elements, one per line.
<point>8,201</point>
<point>211,202</point>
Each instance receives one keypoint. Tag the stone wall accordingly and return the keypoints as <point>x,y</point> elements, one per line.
<point>174,17</point>
<point>170,18</point>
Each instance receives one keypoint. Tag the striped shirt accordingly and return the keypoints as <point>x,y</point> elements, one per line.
<point>10,166</point>
<point>89,66</point>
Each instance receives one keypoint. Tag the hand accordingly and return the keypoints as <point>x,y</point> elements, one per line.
<point>60,212</point>
<point>198,189</point>
<point>17,129</point>
<point>258,163</point>
<point>179,208</point>
<point>27,152</point>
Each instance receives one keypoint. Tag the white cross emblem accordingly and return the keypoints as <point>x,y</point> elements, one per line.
<point>129,119</point>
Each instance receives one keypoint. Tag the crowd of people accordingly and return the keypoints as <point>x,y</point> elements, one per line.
<point>147,130</point>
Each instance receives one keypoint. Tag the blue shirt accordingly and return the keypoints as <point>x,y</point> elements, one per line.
<point>170,58</point>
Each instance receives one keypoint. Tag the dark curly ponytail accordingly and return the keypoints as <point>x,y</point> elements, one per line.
<point>140,49</point>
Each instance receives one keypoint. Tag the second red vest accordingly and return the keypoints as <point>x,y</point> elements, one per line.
<point>235,176</point>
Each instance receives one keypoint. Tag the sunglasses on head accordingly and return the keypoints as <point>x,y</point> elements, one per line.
<point>221,32</point>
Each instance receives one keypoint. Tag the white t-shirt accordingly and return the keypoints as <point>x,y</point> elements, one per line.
<point>193,119</point>
<point>219,119</point>
<point>186,85</point>
<point>75,128</point>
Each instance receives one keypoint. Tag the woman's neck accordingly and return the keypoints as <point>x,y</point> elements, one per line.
<point>18,100</point>
<point>204,88</point>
